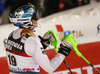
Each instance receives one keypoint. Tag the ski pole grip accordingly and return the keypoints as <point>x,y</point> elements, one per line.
<point>56,39</point>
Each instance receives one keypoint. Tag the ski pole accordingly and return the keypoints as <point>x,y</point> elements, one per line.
<point>72,40</point>
<point>55,45</point>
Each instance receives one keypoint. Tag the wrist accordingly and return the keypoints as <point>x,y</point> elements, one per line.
<point>61,55</point>
<point>44,46</point>
<point>63,52</point>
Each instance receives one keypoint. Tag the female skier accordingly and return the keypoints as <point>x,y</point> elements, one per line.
<point>25,53</point>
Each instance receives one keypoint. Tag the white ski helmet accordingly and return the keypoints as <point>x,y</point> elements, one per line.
<point>23,14</point>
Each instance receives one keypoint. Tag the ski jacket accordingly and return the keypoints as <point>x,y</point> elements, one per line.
<point>25,55</point>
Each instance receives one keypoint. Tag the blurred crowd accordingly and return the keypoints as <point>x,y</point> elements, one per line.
<point>45,7</point>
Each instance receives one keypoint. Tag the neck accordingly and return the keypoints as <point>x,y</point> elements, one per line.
<point>27,29</point>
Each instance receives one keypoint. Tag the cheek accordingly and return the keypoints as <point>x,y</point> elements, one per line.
<point>34,22</point>
<point>35,25</point>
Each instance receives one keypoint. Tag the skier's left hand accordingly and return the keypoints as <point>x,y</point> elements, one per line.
<point>45,40</point>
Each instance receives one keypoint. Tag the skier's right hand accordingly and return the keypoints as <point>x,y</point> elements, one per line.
<point>65,47</point>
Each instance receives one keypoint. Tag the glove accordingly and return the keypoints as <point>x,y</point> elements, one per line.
<point>65,47</point>
<point>45,40</point>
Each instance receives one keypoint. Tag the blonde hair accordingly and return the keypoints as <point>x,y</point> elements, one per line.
<point>25,32</point>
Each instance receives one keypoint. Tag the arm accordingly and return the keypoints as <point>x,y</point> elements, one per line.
<point>65,47</point>
<point>48,65</point>
<point>33,48</point>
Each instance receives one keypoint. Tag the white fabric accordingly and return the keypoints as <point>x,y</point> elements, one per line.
<point>33,48</point>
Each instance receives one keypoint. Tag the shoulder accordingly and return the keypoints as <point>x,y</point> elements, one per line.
<point>12,32</point>
<point>16,33</point>
<point>32,44</point>
<point>32,39</point>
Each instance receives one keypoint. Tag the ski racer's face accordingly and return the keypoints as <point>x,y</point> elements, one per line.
<point>35,23</point>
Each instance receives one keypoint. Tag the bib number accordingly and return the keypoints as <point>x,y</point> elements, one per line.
<point>12,60</point>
